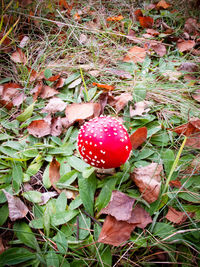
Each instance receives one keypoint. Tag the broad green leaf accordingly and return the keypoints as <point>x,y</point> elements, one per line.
<point>168,158</point>
<point>75,83</point>
<point>3,214</point>
<point>37,223</point>
<point>160,139</point>
<point>144,153</point>
<point>25,235</point>
<point>72,77</point>
<point>164,230</point>
<point>190,196</point>
<point>52,259</point>
<point>65,150</point>
<point>17,175</point>
<point>61,242</point>
<point>84,226</point>
<point>67,179</point>
<point>13,144</point>
<point>45,178</point>
<point>47,73</point>
<point>105,194</point>
<point>61,202</point>
<point>15,255</point>
<point>33,196</point>
<point>77,164</point>
<point>26,114</point>
<point>46,220</point>
<point>34,168</point>
<point>106,256</point>
<point>9,152</point>
<point>87,187</point>
<point>75,203</point>
<point>30,152</point>
<point>139,93</point>
<point>63,217</point>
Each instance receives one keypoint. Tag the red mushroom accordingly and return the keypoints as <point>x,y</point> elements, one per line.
<point>103,142</point>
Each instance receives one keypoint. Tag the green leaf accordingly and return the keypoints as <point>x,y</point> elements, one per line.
<point>47,73</point>
<point>75,203</point>
<point>33,196</point>
<point>25,235</point>
<point>3,214</point>
<point>87,187</point>
<point>67,179</point>
<point>13,256</point>
<point>105,194</point>
<point>45,178</point>
<point>37,223</point>
<point>61,242</point>
<point>26,114</point>
<point>84,226</point>
<point>30,153</point>
<point>139,93</point>
<point>190,196</point>
<point>34,168</point>
<point>17,175</point>
<point>46,220</point>
<point>77,164</point>
<point>72,77</point>
<point>106,257</point>
<point>52,259</point>
<point>168,158</point>
<point>164,230</point>
<point>61,202</point>
<point>63,217</point>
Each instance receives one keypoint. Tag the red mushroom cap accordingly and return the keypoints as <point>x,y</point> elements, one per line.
<point>103,142</point>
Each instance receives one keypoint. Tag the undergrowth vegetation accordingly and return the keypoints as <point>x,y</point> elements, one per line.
<point>64,63</point>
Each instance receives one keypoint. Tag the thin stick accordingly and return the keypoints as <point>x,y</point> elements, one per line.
<point>92,218</point>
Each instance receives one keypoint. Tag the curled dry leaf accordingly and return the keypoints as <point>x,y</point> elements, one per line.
<point>83,111</point>
<point>39,128</point>
<point>185,45</point>
<point>56,126</point>
<point>104,86</point>
<point>115,232</point>
<point>17,209</point>
<point>18,56</point>
<point>55,105</point>
<point>60,83</point>
<point>120,206</point>
<point>148,180</point>
<point>46,196</point>
<point>162,5</point>
<point>54,173</point>
<point>47,92</point>
<point>37,90</point>
<point>119,102</point>
<point>159,48</point>
<point>138,137</point>
<point>140,108</point>
<point>140,217</point>
<point>117,18</point>
<point>191,26</point>
<point>146,22</point>
<point>12,95</point>
<point>135,54</point>
<point>189,67</point>
<point>177,217</point>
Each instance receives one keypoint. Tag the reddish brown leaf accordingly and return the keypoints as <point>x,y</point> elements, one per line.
<point>83,111</point>
<point>119,102</point>
<point>177,217</point>
<point>18,56</point>
<point>39,128</point>
<point>12,95</point>
<point>193,126</point>
<point>138,13</point>
<point>120,206</point>
<point>147,180</point>
<point>159,48</point>
<point>117,18</point>
<point>48,91</point>
<point>115,232</point>
<point>56,126</point>
<point>140,217</point>
<point>193,141</point>
<point>185,45</point>
<point>152,32</point>
<point>175,183</point>
<point>189,67</point>
<point>135,54</point>
<point>60,83</point>
<point>66,6</point>
<point>17,209</point>
<point>191,26</point>
<point>104,86</point>
<point>55,105</point>
<point>37,90</point>
<point>146,22</point>
<point>34,75</point>
<point>53,78</point>
<point>54,173</point>
<point>2,248</point>
<point>138,137</point>
<point>196,95</point>
<point>162,5</point>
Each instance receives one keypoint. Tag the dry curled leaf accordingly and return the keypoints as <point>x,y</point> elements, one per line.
<point>185,45</point>
<point>135,54</point>
<point>82,111</point>
<point>104,86</point>
<point>138,137</point>
<point>48,91</point>
<point>11,95</point>
<point>17,208</point>
<point>140,217</point>
<point>56,126</point>
<point>191,26</point>
<point>162,5</point>
<point>148,180</point>
<point>177,217</point>
<point>54,173</point>
<point>55,105</point>
<point>18,56</point>
<point>146,22</point>
<point>117,18</point>
<point>119,102</point>
<point>46,196</point>
<point>141,108</point>
<point>120,206</point>
<point>39,128</point>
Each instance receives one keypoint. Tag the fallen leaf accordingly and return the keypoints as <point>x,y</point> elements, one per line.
<point>148,180</point>
<point>162,4</point>
<point>138,137</point>
<point>119,206</point>
<point>56,126</point>
<point>173,76</point>
<point>60,83</point>
<point>46,196</point>
<point>191,26</point>
<point>54,173</point>
<point>119,102</point>
<point>193,126</point>
<point>152,32</point>
<point>159,48</point>
<point>121,73</point>
<point>135,54</point>
<point>140,108</point>
<point>47,92</point>
<point>37,90</point>
<point>18,56</point>
<point>24,41</point>
<point>77,17</point>
<point>104,86</point>
<point>175,183</point>
<point>2,248</point>
<point>82,111</point>
<point>138,13</point>
<point>12,95</point>
<point>115,232</point>
<point>193,141</point>
<point>177,217</point>
<point>53,78</point>
<point>17,209</point>
<point>55,105</point>
<point>117,18</point>
<point>39,128</point>
<point>140,217</point>
<point>188,67</point>
<point>185,45</point>
<point>34,75</point>
<point>146,22</point>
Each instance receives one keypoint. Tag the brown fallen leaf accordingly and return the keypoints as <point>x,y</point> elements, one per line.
<point>117,18</point>
<point>177,217</point>
<point>159,48</point>
<point>17,209</point>
<point>115,232</point>
<point>39,128</point>
<point>188,67</point>
<point>146,22</point>
<point>135,54</point>
<point>191,26</point>
<point>56,126</point>
<point>55,105</point>
<point>104,86</point>
<point>119,206</point>
<point>138,137</point>
<point>185,45</point>
<point>193,141</point>
<point>83,111</point>
<point>37,90</point>
<point>121,73</point>
<point>60,83</point>
<point>162,5</point>
<point>12,95</point>
<point>140,217</point>
<point>47,92</point>
<point>175,183</point>
<point>140,108</point>
<point>18,56</point>
<point>148,180</point>
<point>2,248</point>
<point>187,129</point>
<point>119,102</point>
<point>24,41</point>
<point>152,32</point>
<point>53,78</point>
<point>138,13</point>
<point>54,173</point>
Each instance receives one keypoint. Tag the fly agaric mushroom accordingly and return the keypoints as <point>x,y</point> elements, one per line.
<point>103,142</point>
